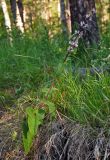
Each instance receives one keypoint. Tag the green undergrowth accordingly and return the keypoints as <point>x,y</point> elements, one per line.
<point>85,101</point>
<point>38,82</point>
<point>30,61</point>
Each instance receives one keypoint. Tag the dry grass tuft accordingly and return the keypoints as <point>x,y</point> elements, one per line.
<point>71,141</point>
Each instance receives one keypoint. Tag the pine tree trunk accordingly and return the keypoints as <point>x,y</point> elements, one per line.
<point>13,9</point>
<point>17,11</point>
<point>83,18</point>
<point>68,19</point>
<point>19,20</point>
<point>21,10</point>
<point>63,16</point>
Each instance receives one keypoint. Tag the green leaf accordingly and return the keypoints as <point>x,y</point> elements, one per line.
<point>30,125</point>
<point>25,127</point>
<point>51,107</point>
<point>29,111</point>
<point>27,142</point>
<point>31,120</point>
<point>39,117</point>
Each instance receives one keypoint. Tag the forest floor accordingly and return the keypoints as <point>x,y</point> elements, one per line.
<point>62,139</point>
<point>9,124</point>
<point>10,130</point>
<point>10,136</point>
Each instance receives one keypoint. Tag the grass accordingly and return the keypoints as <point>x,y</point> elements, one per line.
<point>29,62</point>
<point>85,101</point>
<point>32,71</point>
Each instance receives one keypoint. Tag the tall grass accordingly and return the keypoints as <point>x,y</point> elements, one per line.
<point>35,63</point>
<point>31,59</point>
<point>86,101</point>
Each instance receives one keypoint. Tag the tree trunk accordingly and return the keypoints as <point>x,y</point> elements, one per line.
<point>19,20</point>
<point>21,10</point>
<point>83,18</point>
<point>68,19</point>
<point>17,11</point>
<point>63,16</point>
<point>7,19</point>
<point>6,15</point>
<point>13,9</point>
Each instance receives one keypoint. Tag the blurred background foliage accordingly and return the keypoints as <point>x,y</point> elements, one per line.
<point>37,53</point>
<point>48,11</point>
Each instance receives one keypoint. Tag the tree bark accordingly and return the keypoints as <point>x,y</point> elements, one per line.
<point>6,15</point>
<point>19,20</point>
<point>83,18</point>
<point>21,10</point>
<point>7,19</point>
<point>13,9</point>
<point>17,11</point>
<point>68,19</point>
<point>63,16</point>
